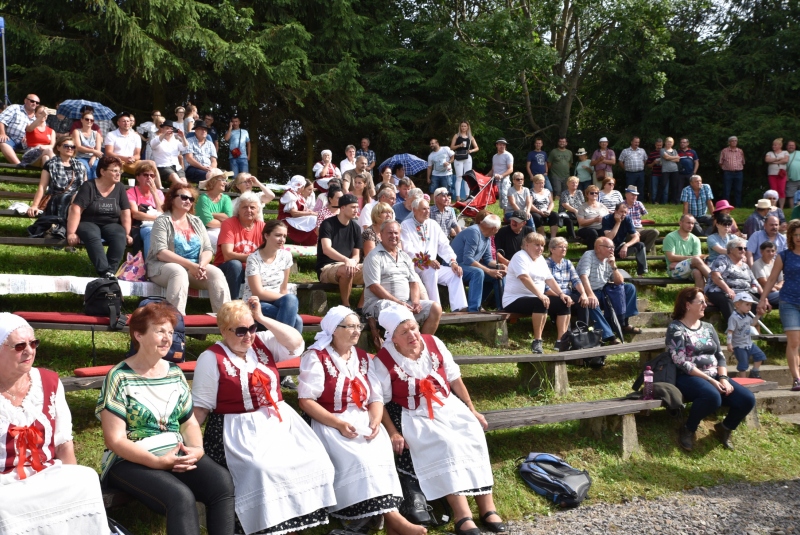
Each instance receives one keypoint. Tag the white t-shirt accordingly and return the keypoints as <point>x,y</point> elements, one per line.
<point>773,168</point>
<point>165,153</point>
<point>522,264</point>
<point>271,274</point>
<point>345,165</point>
<point>440,161</point>
<point>123,145</point>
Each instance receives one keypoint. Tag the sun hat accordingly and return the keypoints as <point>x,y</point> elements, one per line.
<point>722,205</point>
<point>763,204</point>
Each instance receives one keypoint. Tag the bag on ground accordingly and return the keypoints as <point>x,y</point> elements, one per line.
<point>579,337</point>
<point>554,479</point>
<point>103,297</point>
<point>177,352</point>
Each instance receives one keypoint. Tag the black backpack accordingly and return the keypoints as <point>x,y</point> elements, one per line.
<point>664,370</point>
<point>177,353</point>
<point>103,298</point>
<point>551,477</point>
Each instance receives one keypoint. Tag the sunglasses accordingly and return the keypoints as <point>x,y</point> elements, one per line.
<point>33,101</point>
<point>591,193</point>
<point>185,197</point>
<point>740,248</point>
<point>68,147</point>
<point>242,331</point>
<point>20,347</point>
<point>88,120</point>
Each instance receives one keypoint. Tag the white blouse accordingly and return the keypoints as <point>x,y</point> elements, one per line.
<point>311,383</point>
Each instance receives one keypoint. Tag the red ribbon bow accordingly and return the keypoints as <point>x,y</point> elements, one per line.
<point>358,393</point>
<point>428,389</point>
<point>260,382</point>
<point>27,439</point>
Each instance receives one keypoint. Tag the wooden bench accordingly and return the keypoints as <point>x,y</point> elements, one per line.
<point>598,418</point>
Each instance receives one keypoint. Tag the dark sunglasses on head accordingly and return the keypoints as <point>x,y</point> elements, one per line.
<point>20,347</point>
<point>185,197</point>
<point>241,331</point>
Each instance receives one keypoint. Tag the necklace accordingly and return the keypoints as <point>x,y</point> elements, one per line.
<point>7,393</point>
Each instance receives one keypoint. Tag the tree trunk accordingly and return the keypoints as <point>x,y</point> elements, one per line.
<point>309,153</point>
<point>255,125</point>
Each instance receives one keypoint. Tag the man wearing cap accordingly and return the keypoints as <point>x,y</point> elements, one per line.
<point>740,342</point>
<point>632,160</point>
<point>768,233</point>
<point>239,144</point>
<point>201,156</point>
<point>698,200</point>
<point>473,248</point>
<point>658,191</point>
<point>537,163</point>
<point>502,167</point>
<point>508,240</point>
<point>13,122</point>
<point>424,241</point>
<point>618,227</point>
<point>123,143</point>
<point>603,160</point>
<point>339,249</point>
<point>756,220</point>
<point>731,160</point>
<point>687,165</point>
<point>440,167</point>
<point>443,214</point>
<point>389,279</point>
<point>682,253</point>
<point>559,162</point>
<point>635,211</point>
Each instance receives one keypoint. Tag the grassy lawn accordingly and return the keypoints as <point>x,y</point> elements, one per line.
<point>769,453</point>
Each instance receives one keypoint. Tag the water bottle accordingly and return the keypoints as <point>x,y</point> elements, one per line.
<point>648,383</point>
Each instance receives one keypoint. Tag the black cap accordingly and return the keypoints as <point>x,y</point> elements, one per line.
<point>347,198</point>
<point>519,215</point>
<point>201,124</point>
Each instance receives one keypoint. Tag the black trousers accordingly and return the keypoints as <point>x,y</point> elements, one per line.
<point>92,236</point>
<point>588,236</point>
<point>569,220</point>
<point>174,494</point>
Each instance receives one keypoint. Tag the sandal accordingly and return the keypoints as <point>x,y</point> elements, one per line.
<point>630,329</point>
<point>496,527</point>
<point>459,531</point>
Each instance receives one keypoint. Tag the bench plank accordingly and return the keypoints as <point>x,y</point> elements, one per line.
<point>550,414</point>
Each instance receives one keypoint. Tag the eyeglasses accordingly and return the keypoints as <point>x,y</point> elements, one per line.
<point>352,328</point>
<point>592,193</point>
<point>519,180</point>
<point>740,248</point>
<point>607,246</point>
<point>148,175</point>
<point>241,331</point>
<point>68,147</point>
<point>20,347</point>
<point>33,101</point>
<point>701,302</point>
<point>185,197</point>
<point>88,120</point>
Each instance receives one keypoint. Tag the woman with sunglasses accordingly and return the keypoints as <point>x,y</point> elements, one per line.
<point>730,275</point>
<point>100,212</point>
<point>335,392</point>
<point>88,143</point>
<point>146,200</point>
<point>282,474</point>
<point>719,237</point>
<point>608,195</point>
<point>246,182</point>
<point>590,217</point>
<point>61,178</point>
<point>180,253</point>
<point>42,488</point>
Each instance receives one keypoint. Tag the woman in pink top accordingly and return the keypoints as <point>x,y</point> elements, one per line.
<point>146,200</point>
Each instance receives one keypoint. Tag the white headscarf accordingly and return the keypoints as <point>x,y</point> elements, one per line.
<point>10,323</point>
<point>329,323</point>
<point>326,151</point>
<point>392,316</point>
<point>296,184</point>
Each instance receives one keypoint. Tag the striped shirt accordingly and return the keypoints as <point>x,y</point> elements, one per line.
<point>731,159</point>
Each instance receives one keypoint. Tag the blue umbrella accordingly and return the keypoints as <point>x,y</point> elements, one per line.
<point>72,109</point>
<point>411,163</point>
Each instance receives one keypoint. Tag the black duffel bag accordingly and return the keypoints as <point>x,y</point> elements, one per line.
<point>103,298</point>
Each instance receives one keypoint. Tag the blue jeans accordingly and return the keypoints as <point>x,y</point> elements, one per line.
<point>733,180</point>
<point>284,310</point>
<point>480,285</point>
<point>635,178</point>
<point>91,170</point>
<point>599,320</point>
<point>239,165</point>
<point>234,275</point>
<point>144,233</point>
<point>706,399</point>
<point>743,355</point>
<point>443,181</point>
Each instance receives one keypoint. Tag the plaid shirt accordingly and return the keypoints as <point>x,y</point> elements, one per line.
<point>634,159</point>
<point>446,219</point>
<point>15,119</point>
<point>698,204</point>
<point>731,159</point>
<point>636,212</point>
<point>368,154</point>
<point>564,274</point>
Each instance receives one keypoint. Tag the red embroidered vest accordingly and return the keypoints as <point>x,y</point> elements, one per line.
<point>25,446</point>
<point>262,388</point>
<point>339,389</point>
<point>283,213</point>
<point>407,391</point>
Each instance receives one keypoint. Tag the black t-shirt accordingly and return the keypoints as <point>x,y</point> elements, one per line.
<point>98,209</point>
<point>508,243</point>
<point>343,240</point>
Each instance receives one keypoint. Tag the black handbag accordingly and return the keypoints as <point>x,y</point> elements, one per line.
<point>579,337</point>
<point>416,508</point>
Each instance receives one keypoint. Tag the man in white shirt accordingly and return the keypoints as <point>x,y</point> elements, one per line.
<point>423,239</point>
<point>124,143</point>
<point>440,167</point>
<point>349,161</point>
<point>167,148</point>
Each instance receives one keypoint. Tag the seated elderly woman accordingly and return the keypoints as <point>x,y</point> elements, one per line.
<point>42,488</point>
<point>282,474</point>
<point>245,182</point>
<point>154,444</point>
<point>146,200</point>
<point>324,170</point>
<point>298,215</point>
<point>431,421</point>
<point>702,376</point>
<point>180,253</point>
<point>334,391</point>
<point>567,278</point>
<point>371,236</point>
<point>527,283</point>
<point>100,212</point>
<point>730,275</point>
<point>239,236</point>
<point>214,206</point>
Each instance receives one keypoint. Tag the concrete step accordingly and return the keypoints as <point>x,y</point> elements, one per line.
<point>779,401</point>
<point>642,303</point>
<point>650,319</point>
<point>791,418</point>
<point>649,333</point>
<point>771,372</point>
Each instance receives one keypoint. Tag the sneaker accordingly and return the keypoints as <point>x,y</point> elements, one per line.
<point>557,345</point>
<point>536,346</point>
<point>754,374</point>
<point>796,385</point>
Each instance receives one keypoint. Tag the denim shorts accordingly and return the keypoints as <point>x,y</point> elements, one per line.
<point>743,355</point>
<point>790,316</point>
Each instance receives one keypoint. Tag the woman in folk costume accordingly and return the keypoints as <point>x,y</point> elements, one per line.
<point>301,219</point>
<point>42,488</point>
<point>324,170</point>
<point>334,391</point>
<point>436,424</point>
<point>281,472</point>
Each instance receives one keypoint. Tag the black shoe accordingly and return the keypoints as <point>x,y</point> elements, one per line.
<point>724,435</point>
<point>611,341</point>
<point>495,527</point>
<point>686,439</point>
<point>754,374</point>
<point>288,383</point>
<point>109,275</point>
<point>472,531</point>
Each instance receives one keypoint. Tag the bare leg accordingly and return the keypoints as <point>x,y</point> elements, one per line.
<point>432,323</point>
<point>461,510</point>
<point>396,524</point>
<point>792,345</point>
<point>537,320</point>
<point>562,325</point>
<point>698,279</point>
<point>345,285</point>
<point>9,153</point>
<point>486,503</point>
